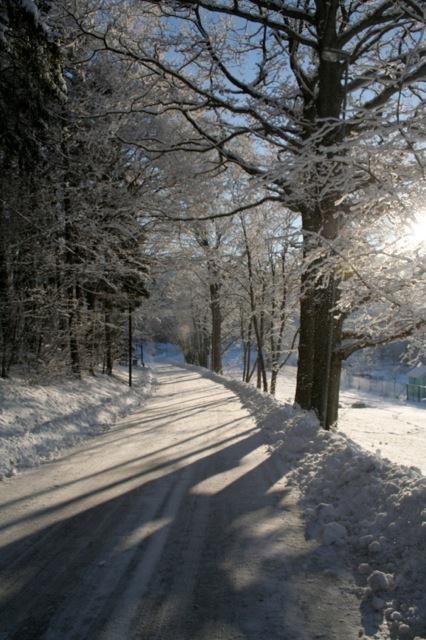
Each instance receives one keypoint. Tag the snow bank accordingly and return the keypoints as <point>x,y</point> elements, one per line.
<point>397,429</point>
<point>369,510</point>
<point>38,421</point>
<point>382,507</point>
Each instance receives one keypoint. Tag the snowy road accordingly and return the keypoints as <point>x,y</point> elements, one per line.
<point>177,524</point>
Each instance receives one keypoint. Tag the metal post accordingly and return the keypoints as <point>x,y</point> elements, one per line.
<point>130,346</point>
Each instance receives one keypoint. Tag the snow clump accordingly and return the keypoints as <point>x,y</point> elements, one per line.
<point>333,533</point>
<point>380,505</point>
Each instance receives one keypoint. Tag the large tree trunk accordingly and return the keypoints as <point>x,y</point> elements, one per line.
<point>316,317</point>
<point>336,361</point>
<point>324,346</point>
<point>211,248</point>
<point>317,324</point>
<point>259,374</point>
<point>318,375</point>
<point>305,365</point>
<point>244,343</point>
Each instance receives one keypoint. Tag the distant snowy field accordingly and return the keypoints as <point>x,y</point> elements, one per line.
<point>38,421</point>
<point>395,429</point>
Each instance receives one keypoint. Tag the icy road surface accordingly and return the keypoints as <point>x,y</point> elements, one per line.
<point>177,524</point>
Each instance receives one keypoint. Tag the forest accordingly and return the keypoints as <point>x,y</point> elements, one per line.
<point>212,319</point>
<point>219,173</point>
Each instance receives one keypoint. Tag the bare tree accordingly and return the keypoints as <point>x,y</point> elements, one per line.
<point>330,95</point>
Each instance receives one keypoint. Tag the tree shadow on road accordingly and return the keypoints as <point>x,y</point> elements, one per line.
<point>212,547</point>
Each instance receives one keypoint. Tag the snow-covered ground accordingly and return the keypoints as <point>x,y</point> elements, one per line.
<point>176,524</point>
<point>37,422</point>
<point>362,507</point>
<point>367,513</point>
<point>393,428</point>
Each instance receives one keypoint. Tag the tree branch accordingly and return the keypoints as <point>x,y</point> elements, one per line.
<point>227,214</point>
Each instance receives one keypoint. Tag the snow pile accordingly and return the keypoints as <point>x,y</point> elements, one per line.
<point>396,428</point>
<point>369,510</point>
<point>381,506</point>
<point>38,421</point>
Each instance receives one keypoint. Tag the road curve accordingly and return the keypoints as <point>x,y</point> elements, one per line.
<point>175,525</point>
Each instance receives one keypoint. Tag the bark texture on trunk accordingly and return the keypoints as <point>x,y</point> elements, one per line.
<point>318,326</point>
<point>305,366</point>
<point>323,348</point>
<point>317,371</point>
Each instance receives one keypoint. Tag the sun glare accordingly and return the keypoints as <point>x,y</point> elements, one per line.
<point>415,233</point>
